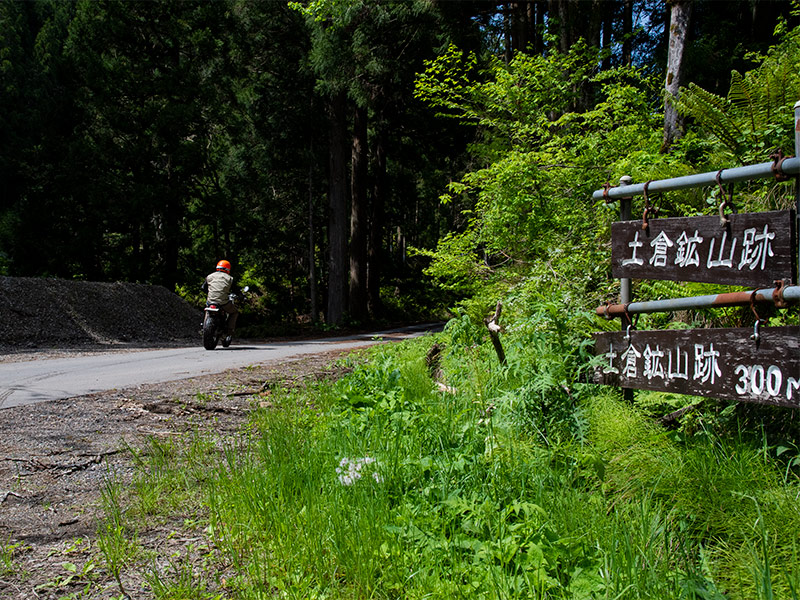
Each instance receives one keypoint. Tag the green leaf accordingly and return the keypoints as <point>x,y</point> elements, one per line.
<point>68,566</point>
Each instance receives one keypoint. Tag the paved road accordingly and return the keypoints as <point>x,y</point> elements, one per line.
<point>40,380</point>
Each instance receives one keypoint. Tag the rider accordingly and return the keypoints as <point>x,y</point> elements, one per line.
<point>219,285</point>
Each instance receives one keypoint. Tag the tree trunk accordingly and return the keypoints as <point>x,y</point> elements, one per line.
<point>312,261</point>
<point>592,27</point>
<point>590,30</point>
<point>680,15</point>
<point>608,23</point>
<point>507,17</point>
<point>337,202</point>
<point>522,25</point>
<point>358,218</point>
<point>169,229</point>
<point>559,11</point>
<point>627,33</point>
<point>539,10</point>
<point>376,230</point>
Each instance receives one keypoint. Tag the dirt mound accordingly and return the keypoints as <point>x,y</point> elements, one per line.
<point>58,313</point>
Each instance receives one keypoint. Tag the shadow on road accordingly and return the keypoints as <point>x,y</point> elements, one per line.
<point>236,348</point>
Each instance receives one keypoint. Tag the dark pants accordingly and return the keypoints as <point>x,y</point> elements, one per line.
<point>233,314</point>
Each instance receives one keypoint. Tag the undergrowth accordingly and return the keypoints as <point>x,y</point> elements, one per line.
<point>469,479</point>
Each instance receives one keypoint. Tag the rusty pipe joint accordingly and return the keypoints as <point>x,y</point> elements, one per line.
<point>784,294</point>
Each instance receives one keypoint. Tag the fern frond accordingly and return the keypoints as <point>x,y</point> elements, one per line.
<point>742,99</point>
<point>711,112</point>
<point>760,95</point>
<point>758,105</point>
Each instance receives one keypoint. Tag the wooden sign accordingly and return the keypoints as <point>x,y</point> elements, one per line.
<point>753,249</point>
<point>720,363</point>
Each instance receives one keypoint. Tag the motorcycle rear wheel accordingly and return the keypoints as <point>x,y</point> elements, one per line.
<point>209,333</point>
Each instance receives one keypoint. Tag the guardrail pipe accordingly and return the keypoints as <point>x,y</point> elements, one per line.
<point>625,214</point>
<point>791,166</point>
<point>790,294</point>
<point>625,288</point>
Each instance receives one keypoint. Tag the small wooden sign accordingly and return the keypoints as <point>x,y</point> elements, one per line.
<point>753,249</point>
<point>720,363</point>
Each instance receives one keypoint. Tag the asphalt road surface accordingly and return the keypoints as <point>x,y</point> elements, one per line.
<point>41,380</point>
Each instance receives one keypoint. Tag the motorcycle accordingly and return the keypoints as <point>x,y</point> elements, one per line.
<point>215,323</point>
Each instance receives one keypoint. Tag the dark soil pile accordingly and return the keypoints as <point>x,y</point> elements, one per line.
<point>58,313</point>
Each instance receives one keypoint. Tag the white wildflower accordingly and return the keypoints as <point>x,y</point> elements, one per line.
<point>350,470</point>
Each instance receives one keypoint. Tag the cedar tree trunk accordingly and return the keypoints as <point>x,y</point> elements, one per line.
<point>680,15</point>
<point>337,202</point>
<point>358,218</point>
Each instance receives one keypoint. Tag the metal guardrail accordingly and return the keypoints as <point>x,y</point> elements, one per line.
<point>781,168</point>
<point>789,167</point>
<point>779,296</point>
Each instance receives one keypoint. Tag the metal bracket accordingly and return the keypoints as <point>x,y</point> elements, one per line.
<point>627,336</point>
<point>606,315</point>
<point>649,211</point>
<point>606,187</point>
<point>756,336</point>
<point>727,201</point>
<point>777,293</point>
<point>753,305</point>
<point>777,166</point>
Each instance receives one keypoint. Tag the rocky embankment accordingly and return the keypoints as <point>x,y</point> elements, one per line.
<point>57,313</point>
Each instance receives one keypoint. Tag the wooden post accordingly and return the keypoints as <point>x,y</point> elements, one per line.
<point>494,333</point>
<point>797,181</point>
<point>625,214</point>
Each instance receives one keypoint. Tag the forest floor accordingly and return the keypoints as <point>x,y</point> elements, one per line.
<point>56,457</point>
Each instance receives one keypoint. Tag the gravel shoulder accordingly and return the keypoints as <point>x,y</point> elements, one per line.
<point>56,456</point>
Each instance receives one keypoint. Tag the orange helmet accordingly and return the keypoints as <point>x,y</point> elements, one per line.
<point>224,265</point>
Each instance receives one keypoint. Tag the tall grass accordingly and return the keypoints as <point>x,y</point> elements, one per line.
<point>521,483</point>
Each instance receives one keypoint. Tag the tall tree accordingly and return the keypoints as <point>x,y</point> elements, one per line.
<point>680,14</point>
<point>380,193</point>
<point>337,203</point>
<point>151,72</point>
<point>359,212</point>
<point>271,138</point>
<point>371,52</point>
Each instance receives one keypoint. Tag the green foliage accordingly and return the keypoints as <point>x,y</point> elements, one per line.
<point>540,154</point>
<point>514,481</point>
<point>531,207</point>
<point>456,264</point>
<point>756,117</point>
<point>9,552</point>
<point>116,539</point>
<point>178,582</point>
<point>448,84</point>
<point>691,477</point>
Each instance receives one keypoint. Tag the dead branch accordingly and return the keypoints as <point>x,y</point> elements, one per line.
<point>68,469</point>
<point>671,419</point>
<point>433,359</point>
<point>494,333</point>
<point>7,494</point>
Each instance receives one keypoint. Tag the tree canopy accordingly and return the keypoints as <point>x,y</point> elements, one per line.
<point>333,149</point>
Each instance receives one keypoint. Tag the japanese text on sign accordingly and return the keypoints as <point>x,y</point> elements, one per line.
<point>725,363</point>
<point>755,249</point>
